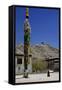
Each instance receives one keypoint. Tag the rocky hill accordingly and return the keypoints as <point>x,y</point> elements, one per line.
<point>41,51</point>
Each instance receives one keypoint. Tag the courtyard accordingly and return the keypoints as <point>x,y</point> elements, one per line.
<point>42,77</point>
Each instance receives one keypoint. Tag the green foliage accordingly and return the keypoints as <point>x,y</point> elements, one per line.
<point>39,65</point>
<point>27,35</point>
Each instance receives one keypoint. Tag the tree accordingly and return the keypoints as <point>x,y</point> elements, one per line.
<point>39,65</point>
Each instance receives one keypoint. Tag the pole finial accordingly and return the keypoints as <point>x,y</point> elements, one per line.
<point>27,12</point>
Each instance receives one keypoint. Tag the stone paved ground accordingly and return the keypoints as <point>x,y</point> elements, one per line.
<point>37,77</point>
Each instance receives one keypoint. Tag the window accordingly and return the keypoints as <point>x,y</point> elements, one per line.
<point>19,61</point>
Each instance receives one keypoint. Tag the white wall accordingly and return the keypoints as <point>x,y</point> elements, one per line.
<point>4,44</point>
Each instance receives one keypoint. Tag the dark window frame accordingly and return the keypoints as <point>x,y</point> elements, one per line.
<point>19,60</point>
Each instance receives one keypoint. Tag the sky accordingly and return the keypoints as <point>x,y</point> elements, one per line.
<point>44,24</point>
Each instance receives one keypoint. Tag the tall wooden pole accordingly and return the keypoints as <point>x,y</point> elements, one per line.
<point>26,43</point>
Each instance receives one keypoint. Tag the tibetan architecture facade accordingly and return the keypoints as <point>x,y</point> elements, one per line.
<point>19,63</point>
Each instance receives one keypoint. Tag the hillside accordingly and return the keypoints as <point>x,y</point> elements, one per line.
<point>41,51</point>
